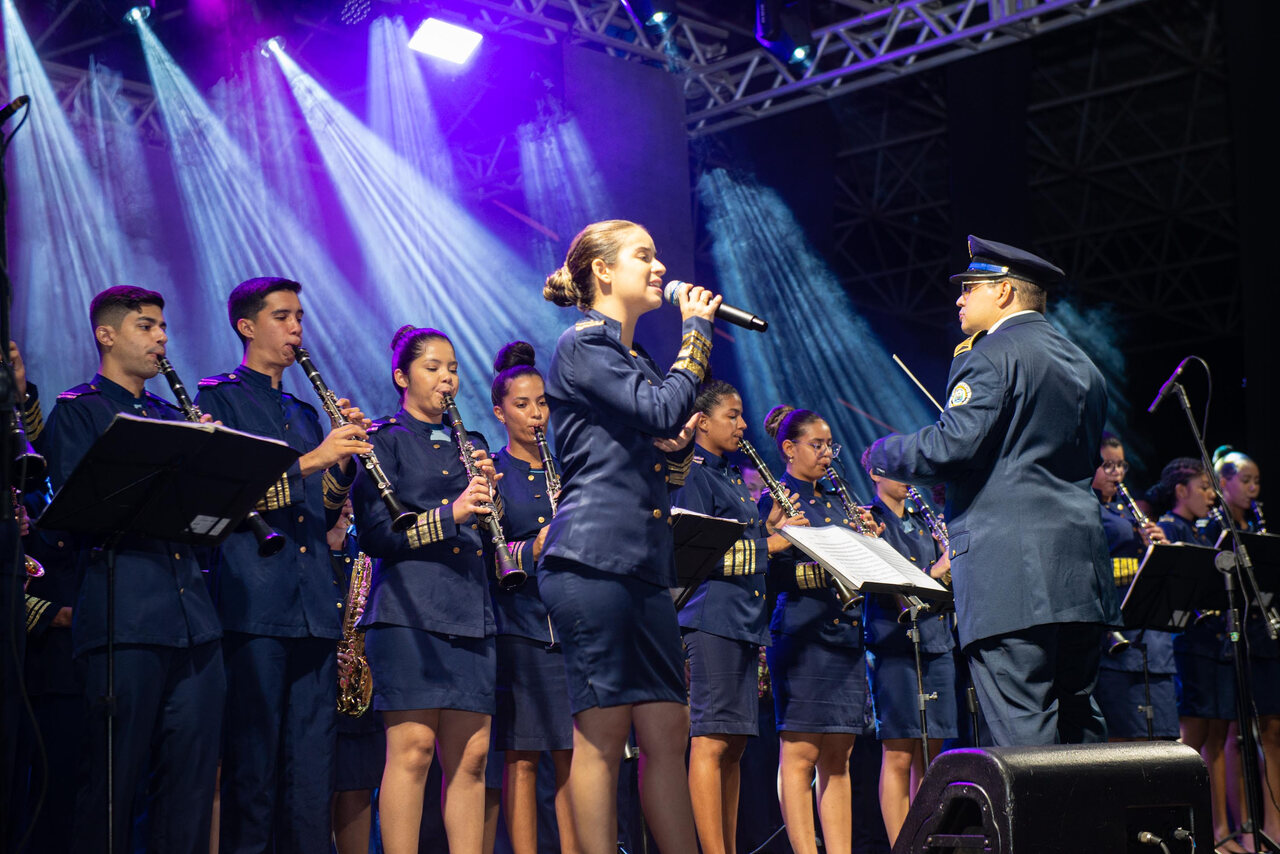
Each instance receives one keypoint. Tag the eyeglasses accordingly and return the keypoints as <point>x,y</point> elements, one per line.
<point>1112,465</point>
<point>969,286</point>
<point>819,447</point>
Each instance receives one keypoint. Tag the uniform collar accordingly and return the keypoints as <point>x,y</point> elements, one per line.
<point>254,378</point>
<point>115,391</point>
<point>613,325</point>
<point>710,460</point>
<point>425,429</point>
<point>877,502</point>
<point>510,459</point>
<point>1009,319</point>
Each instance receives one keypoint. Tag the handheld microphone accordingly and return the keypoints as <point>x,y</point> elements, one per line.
<point>725,312</point>
<point>1164,389</point>
<point>12,107</point>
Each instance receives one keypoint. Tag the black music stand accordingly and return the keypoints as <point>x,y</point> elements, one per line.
<point>164,480</point>
<point>701,541</point>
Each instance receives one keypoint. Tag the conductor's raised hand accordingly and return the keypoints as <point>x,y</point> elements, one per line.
<point>697,301</point>
<point>682,440</point>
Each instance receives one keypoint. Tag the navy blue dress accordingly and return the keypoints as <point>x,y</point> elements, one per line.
<point>725,621</point>
<point>169,678</point>
<point>532,691</point>
<point>609,558</point>
<point>891,661</point>
<point>429,625</point>
<point>1121,689</point>
<point>815,660</point>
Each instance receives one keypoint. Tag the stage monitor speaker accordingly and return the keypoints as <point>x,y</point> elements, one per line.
<point>1098,798</point>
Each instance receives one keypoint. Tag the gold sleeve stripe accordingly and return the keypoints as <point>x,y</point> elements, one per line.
<point>810,576</point>
<point>518,550</point>
<point>35,610</point>
<point>741,559</point>
<point>694,355</point>
<point>33,421</point>
<point>335,494</point>
<point>277,496</point>
<point>678,472</point>
<point>1124,569</point>
<point>428,530</point>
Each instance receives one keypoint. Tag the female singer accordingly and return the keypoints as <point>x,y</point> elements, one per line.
<point>1241,483</point>
<point>429,638</point>
<point>1206,677</point>
<point>533,695</point>
<point>819,673</point>
<point>891,661</point>
<point>725,621</point>
<point>622,430</point>
<point>1122,687</point>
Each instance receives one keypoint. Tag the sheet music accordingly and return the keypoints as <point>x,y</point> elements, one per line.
<point>859,559</point>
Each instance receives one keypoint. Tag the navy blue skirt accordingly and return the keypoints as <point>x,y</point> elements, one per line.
<point>816,687</point>
<point>1120,694</point>
<point>894,694</point>
<point>1206,687</point>
<point>620,635</point>
<point>533,697</point>
<point>359,757</point>
<point>724,685</point>
<point>418,669</point>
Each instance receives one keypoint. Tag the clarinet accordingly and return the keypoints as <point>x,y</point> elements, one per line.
<point>847,500</point>
<point>1139,518</point>
<point>269,542</point>
<point>402,519</point>
<point>847,595</point>
<point>548,468</point>
<point>1256,507</point>
<point>510,576</point>
<point>936,526</point>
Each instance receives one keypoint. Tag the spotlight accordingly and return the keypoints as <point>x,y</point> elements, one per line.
<point>272,46</point>
<point>654,15</point>
<point>783,28</point>
<point>445,41</point>
<point>133,12</point>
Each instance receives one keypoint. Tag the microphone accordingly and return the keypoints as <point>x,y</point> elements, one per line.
<point>12,107</point>
<point>725,312</point>
<point>1164,389</point>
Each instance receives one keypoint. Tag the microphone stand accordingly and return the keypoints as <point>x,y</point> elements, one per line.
<point>1235,633</point>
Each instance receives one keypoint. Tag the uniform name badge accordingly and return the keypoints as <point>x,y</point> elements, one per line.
<point>960,395</point>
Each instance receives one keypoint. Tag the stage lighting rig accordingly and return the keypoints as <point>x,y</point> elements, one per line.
<point>785,29</point>
<point>446,41</point>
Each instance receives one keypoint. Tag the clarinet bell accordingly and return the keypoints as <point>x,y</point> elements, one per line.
<point>270,542</point>
<point>1118,643</point>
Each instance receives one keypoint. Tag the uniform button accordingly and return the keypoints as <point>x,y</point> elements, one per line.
<point>530,477</point>
<point>813,501</point>
<point>444,471</point>
<point>755,592</point>
<point>231,376</point>
<point>541,520</point>
<point>182,590</point>
<point>286,426</point>
<point>479,553</point>
<point>61,544</point>
<point>436,446</point>
<point>657,514</point>
<point>836,621</point>
<point>444,501</point>
<point>456,550</point>
<point>302,518</point>
<point>657,466</point>
<point>474,526</point>
<point>339,604</point>
<point>913,560</point>
<point>827,519</point>
<point>741,498</point>
<point>177,556</point>
<point>302,549</point>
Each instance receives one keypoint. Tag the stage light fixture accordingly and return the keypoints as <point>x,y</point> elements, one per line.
<point>785,29</point>
<point>271,46</point>
<point>446,41</point>
<point>654,15</point>
<point>133,12</point>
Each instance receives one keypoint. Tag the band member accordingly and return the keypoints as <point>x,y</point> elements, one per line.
<point>428,622</point>
<point>622,429</point>
<point>362,745</point>
<point>891,660</point>
<point>816,659</point>
<point>1241,483</point>
<point>1021,430</point>
<point>1122,684</point>
<point>281,614</point>
<point>169,682</point>
<point>533,695</point>
<point>725,621</point>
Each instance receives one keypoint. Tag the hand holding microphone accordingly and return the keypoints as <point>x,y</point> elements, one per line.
<point>674,289</point>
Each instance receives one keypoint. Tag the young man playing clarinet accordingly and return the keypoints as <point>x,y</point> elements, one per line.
<point>281,614</point>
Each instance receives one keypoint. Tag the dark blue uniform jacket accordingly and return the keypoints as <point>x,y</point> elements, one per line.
<point>290,594</point>
<point>910,537</point>
<point>161,598</point>
<point>608,403</point>
<point>526,509</point>
<point>431,576</point>
<point>1125,545</point>
<point>1017,447</point>
<point>807,605</point>
<point>731,602</point>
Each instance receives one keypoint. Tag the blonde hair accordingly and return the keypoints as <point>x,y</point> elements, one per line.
<point>574,283</point>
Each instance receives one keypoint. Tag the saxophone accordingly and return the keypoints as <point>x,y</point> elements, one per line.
<point>355,681</point>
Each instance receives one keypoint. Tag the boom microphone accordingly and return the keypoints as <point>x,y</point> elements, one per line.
<point>1164,389</point>
<point>725,312</point>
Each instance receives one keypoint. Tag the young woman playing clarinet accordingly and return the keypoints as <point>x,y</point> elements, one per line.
<point>533,696</point>
<point>622,430</point>
<point>725,620</point>
<point>429,625</point>
<point>816,661</point>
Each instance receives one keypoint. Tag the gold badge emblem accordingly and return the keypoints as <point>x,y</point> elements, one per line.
<point>960,395</point>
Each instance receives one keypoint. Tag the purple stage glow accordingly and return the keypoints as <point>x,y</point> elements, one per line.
<point>446,41</point>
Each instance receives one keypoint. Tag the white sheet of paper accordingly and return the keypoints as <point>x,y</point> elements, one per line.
<point>859,559</point>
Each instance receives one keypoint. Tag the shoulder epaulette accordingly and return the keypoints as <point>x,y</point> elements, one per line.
<point>79,391</point>
<point>587,324</point>
<point>967,344</point>
<point>697,458</point>
<point>380,423</point>
<point>1167,517</point>
<point>219,379</point>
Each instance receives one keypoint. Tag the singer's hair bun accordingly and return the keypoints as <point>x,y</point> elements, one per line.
<point>514,355</point>
<point>774,419</point>
<point>560,288</point>
<point>402,333</point>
